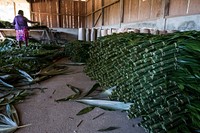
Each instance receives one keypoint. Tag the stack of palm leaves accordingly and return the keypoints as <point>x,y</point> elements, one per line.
<point>159,74</point>
<point>77,51</point>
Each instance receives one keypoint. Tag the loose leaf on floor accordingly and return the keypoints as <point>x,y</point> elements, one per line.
<point>54,69</point>
<point>94,87</point>
<point>12,113</point>
<point>7,125</point>
<point>6,84</point>
<point>71,97</point>
<point>25,75</point>
<point>105,94</point>
<point>85,110</point>
<point>98,116</point>
<point>108,129</point>
<point>74,89</point>
<point>106,104</point>
<point>75,64</point>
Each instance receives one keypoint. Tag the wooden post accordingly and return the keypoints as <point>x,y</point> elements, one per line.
<point>121,12</point>
<point>15,13</point>
<point>188,6</point>
<point>72,3</point>
<point>51,19</point>
<point>102,12</point>
<point>93,4</point>
<point>165,8</point>
<point>58,12</point>
<point>39,11</point>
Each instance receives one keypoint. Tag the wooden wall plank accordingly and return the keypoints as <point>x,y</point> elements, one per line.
<point>178,7</point>
<point>144,9</point>
<point>97,4</point>
<point>75,11</point>
<point>98,19</point>
<point>63,13</point>
<point>89,6</point>
<point>89,21</point>
<point>107,2</point>
<point>54,13</point>
<point>114,13</point>
<point>131,10</point>
<point>156,8</point>
<point>82,12</point>
<point>193,8</point>
<point>71,14</point>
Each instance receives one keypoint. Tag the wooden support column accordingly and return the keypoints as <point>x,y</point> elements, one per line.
<point>72,13</point>
<point>102,12</point>
<point>51,17</point>
<point>93,4</point>
<point>32,16</point>
<point>58,12</point>
<point>39,9</point>
<point>48,14</point>
<point>14,4</point>
<point>165,5</point>
<point>121,12</point>
<point>188,6</point>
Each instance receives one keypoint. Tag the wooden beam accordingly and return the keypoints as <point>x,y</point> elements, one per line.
<point>97,20</point>
<point>58,14</point>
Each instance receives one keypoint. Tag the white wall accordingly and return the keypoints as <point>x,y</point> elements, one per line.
<point>180,23</point>
<point>8,7</point>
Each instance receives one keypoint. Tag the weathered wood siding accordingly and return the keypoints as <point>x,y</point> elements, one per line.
<point>59,13</point>
<point>107,12</point>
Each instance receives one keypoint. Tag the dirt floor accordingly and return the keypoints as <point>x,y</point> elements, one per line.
<point>47,116</point>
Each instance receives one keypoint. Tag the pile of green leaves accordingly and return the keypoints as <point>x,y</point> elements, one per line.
<point>20,67</point>
<point>5,24</point>
<point>28,65</point>
<point>159,74</point>
<point>77,51</point>
<point>30,59</point>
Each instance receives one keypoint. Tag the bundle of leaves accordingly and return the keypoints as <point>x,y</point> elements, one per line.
<point>77,51</point>
<point>5,24</point>
<point>158,74</point>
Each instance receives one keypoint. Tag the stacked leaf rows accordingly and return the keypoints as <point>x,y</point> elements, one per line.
<point>159,74</point>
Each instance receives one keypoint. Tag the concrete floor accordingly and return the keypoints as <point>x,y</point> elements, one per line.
<point>47,116</point>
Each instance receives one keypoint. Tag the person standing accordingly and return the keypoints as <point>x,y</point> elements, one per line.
<point>21,27</point>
